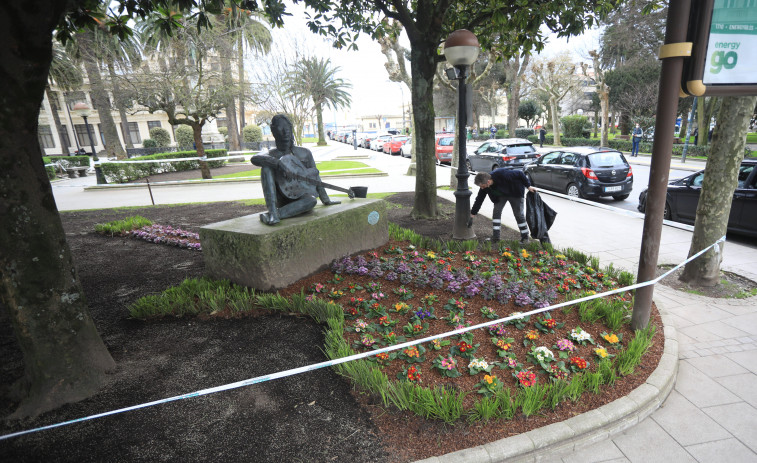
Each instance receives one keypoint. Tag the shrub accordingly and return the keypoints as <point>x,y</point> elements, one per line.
<point>149,143</point>
<point>549,139</point>
<point>118,172</point>
<point>223,131</point>
<point>523,133</point>
<point>185,136</point>
<point>252,133</point>
<point>161,136</point>
<point>574,126</point>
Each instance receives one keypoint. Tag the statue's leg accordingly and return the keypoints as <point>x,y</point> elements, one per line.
<point>302,205</point>
<point>268,180</point>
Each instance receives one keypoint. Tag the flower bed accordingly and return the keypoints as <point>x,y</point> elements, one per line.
<point>400,293</point>
<point>161,234</point>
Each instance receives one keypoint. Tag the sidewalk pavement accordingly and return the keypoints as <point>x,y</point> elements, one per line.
<point>711,413</point>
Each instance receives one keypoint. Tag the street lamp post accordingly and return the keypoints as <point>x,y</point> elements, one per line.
<point>81,109</point>
<point>461,50</point>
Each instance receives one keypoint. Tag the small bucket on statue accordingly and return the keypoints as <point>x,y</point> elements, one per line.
<point>360,191</point>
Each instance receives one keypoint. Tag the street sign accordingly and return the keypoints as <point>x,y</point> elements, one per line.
<point>724,36</point>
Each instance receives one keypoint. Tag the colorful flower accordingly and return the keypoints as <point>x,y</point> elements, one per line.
<point>526,378</point>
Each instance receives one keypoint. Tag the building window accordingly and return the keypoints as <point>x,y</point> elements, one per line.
<point>64,140</point>
<point>45,136</point>
<point>82,136</point>
<point>134,133</point>
<point>221,122</point>
<point>153,124</point>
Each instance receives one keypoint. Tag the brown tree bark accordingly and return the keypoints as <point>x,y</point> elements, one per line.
<point>65,359</point>
<point>100,100</point>
<point>720,181</point>
<point>197,132</point>
<point>121,110</point>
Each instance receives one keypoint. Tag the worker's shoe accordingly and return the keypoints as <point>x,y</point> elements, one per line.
<point>523,239</point>
<point>495,236</point>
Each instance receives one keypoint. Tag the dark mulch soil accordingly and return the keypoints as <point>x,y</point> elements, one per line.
<point>310,417</point>
<point>729,286</point>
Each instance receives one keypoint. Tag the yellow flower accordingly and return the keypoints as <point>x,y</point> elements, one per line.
<point>601,352</point>
<point>431,255</point>
<point>525,254</point>
<point>611,338</point>
<point>489,379</point>
<point>506,254</point>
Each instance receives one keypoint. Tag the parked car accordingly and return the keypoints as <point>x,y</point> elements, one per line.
<point>377,144</point>
<point>513,153</point>
<point>407,149</point>
<point>445,143</point>
<point>584,172</point>
<point>364,139</point>
<point>683,196</point>
<point>394,144</point>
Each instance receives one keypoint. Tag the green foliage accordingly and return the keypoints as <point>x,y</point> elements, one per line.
<point>252,133</point>
<point>161,136</point>
<point>523,133</point>
<point>528,110</point>
<point>223,131</point>
<point>534,398</point>
<point>548,139</point>
<point>184,136</point>
<point>116,172</point>
<point>627,359</point>
<point>574,126</point>
<point>149,143</point>
<point>119,226</point>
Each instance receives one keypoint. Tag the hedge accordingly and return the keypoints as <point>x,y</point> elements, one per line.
<point>116,172</point>
<point>523,133</point>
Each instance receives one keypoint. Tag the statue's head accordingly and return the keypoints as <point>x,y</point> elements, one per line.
<point>282,132</point>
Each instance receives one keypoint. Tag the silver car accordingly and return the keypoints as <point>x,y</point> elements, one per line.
<point>512,153</point>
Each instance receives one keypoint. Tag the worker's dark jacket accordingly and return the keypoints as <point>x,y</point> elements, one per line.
<point>507,183</point>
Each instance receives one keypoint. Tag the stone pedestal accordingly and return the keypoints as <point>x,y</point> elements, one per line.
<point>250,253</point>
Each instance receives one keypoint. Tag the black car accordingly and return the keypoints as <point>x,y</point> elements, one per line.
<point>683,196</point>
<point>584,172</point>
<point>513,153</point>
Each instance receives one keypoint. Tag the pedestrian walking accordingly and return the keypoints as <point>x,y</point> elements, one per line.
<point>636,136</point>
<point>503,186</point>
<point>696,135</point>
<point>542,136</point>
<point>493,132</point>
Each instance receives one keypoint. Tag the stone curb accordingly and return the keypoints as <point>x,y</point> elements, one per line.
<point>551,442</point>
<point>215,181</point>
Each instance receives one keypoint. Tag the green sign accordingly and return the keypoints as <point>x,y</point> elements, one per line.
<point>731,56</point>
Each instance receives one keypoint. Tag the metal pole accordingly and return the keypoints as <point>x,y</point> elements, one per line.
<point>667,105</point>
<point>463,193</point>
<point>98,170</point>
<point>149,188</point>
<point>688,129</point>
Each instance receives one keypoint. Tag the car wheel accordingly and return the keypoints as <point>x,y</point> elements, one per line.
<point>470,168</point>
<point>667,215</point>
<point>574,191</point>
<point>619,197</point>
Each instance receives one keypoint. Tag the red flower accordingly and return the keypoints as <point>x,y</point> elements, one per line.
<point>578,362</point>
<point>463,346</point>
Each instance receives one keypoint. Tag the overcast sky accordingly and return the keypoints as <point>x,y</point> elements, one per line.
<point>372,92</point>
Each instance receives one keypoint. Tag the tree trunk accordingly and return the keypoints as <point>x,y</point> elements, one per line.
<point>423,68</point>
<point>702,122</point>
<point>240,76</point>
<point>604,104</point>
<point>40,294</point>
<point>197,132</point>
<point>100,101</point>
<point>232,131</point>
<point>56,120</point>
<point>512,114</point>
<point>555,120</point>
<point>720,181</point>
<point>612,125</point>
<point>121,110</point>
<point>319,121</point>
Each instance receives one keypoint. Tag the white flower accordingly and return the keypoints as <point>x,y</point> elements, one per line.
<point>580,335</point>
<point>542,353</point>
<point>481,364</point>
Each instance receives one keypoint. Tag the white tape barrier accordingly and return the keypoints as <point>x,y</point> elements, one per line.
<point>204,158</point>
<point>330,363</point>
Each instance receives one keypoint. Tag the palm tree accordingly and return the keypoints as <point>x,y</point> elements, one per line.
<point>315,79</point>
<point>66,75</point>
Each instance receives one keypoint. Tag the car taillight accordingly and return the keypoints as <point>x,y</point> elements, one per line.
<point>508,158</point>
<point>588,173</point>
<point>630,172</point>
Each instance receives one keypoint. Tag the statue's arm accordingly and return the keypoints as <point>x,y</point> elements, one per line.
<point>265,160</point>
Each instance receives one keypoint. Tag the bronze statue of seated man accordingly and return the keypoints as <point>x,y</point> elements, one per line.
<point>289,177</point>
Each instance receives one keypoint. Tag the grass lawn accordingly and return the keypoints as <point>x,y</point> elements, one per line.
<point>326,168</point>
<point>751,137</point>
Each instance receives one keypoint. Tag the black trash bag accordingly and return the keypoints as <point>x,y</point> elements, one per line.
<point>539,216</point>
